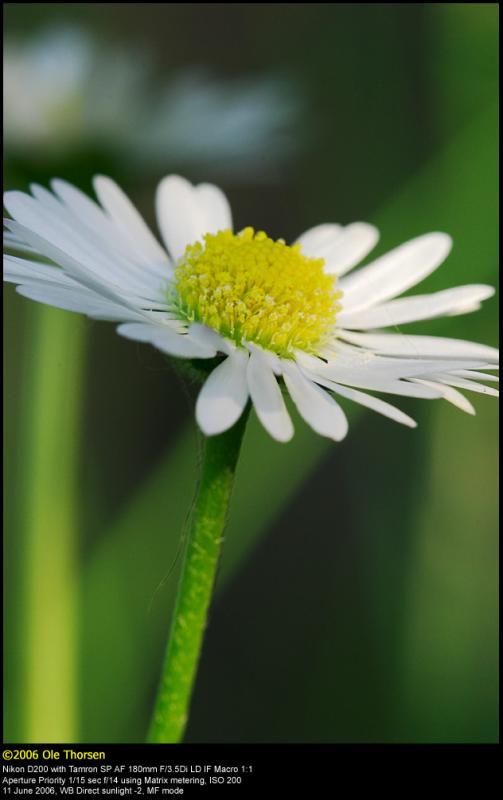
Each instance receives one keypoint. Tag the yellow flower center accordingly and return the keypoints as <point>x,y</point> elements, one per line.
<point>249,287</point>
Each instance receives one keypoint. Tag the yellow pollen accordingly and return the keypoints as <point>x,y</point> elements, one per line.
<point>247,286</point>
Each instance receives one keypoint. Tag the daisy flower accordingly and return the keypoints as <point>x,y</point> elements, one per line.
<point>64,91</point>
<point>267,316</point>
<point>255,319</point>
<point>61,91</point>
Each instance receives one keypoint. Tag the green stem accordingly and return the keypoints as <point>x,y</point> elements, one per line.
<point>196,584</point>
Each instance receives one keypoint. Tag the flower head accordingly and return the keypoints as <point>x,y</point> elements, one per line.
<point>276,316</point>
<point>250,288</point>
<point>64,91</point>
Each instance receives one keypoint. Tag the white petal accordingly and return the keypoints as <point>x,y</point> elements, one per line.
<point>127,218</point>
<point>372,365</point>
<point>459,300</point>
<point>403,388</point>
<point>13,243</point>
<point>82,206</point>
<point>210,338</point>
<point>224,395</point>
<point>376,404</point>
<point>45,197</point>
<point>167,339</point>
<point>73,266</point>
<point>315,241</point>
<point>399,344</point>
<point>267,398</point>
<point>341,248</point>
<point>120,252</point>
<point>472,375</point>
<point>113,231</point>
<point>80,300</point>
<point>51,221</point>
<point>38,274</point>
<point>395,272</point>
<point>216,207</point>
<point>317,408</point>
<point>351,247</point>
<point>448,393</point>
<point>20,270</point>
<point>271,359</point>
<point>181,217</point>
<point>463,383</point>
<point>96,243</point>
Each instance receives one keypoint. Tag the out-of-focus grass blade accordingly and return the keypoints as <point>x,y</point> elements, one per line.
<point>139,550</point>
<point>447,665</point>
<point>448,681</point>
<point>45,549</point>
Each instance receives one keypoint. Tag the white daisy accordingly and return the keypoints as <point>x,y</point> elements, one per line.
<point>271,315</point>
<point>63,90</point>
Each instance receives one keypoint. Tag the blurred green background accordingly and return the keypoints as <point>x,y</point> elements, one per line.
<point>357,595</point>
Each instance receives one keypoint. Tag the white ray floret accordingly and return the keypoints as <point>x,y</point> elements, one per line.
<point>276,320</point>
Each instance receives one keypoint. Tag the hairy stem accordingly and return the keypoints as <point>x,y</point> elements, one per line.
<point>204,544</point>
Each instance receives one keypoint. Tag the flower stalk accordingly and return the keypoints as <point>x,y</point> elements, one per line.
<point>209,517</point>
